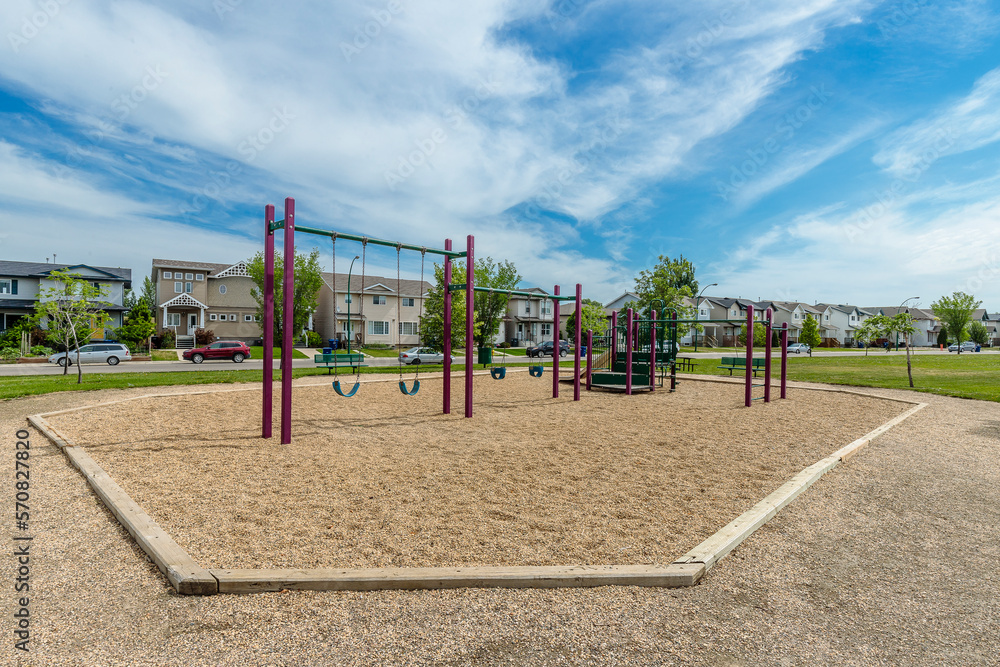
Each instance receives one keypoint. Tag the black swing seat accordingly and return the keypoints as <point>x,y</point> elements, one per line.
<point>409,392</point>
<point>536,371</point>
<point>337,388</point>
<point>498,373</point>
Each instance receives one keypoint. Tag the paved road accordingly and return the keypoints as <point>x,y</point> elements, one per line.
<point>175,366</point>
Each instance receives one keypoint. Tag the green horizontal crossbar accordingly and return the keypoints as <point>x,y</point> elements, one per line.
<point>280,224</point>
<point>460,287</point>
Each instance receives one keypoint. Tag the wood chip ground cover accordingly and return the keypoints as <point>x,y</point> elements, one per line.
<point>385,480</point>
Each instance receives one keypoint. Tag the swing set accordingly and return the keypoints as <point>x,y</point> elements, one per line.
<point>287,224</point>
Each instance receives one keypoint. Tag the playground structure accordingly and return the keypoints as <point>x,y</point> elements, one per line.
<point>632,357</point>
<point>288,225</point>
<point>630,351</point>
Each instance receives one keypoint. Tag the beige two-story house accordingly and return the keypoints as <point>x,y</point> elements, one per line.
<point>203,295</point>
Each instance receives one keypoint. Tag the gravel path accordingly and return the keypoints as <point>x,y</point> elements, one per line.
<point>891,558</point>
<point>384,480</point>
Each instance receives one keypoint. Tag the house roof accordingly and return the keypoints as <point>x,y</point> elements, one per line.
<point>42,269</point>
<point>183,300</point>
<point>409,288</point>
<point>211,269</point>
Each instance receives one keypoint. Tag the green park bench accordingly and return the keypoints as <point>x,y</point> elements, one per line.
<point>740,364</point>
<point>352,360</point>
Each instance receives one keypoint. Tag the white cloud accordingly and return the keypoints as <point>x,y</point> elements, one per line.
<point>967,124</point>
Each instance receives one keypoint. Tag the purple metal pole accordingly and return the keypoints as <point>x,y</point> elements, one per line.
<point>579,334</point>
<point>447,329</point>
<point>784,359</point>
<point>671,339</point>
<point>767,360</point>
<point>590,356</point>
<point>555,345</point>
<point>629,323</point>
<point>749,369</point>
<point>470,293</point>
<point>265,426</point>
<point>287,323</point>
<point>652,350</point>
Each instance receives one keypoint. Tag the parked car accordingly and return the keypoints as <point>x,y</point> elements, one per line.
<point>220,349</point>
<point>799,348</point>
<point>545,349</point>
<point>967,346</point>
<point>422,355</point>
<point>94,353</point>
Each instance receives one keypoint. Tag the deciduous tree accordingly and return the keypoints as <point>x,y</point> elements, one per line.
<point>71,310</point>
<point>955,312</point>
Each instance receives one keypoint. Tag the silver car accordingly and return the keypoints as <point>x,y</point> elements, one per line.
<point>798,348</point>
<point>422,355</point>
<point>94,353</point>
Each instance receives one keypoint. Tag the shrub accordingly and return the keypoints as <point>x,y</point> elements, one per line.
<point>313,339</point>
<point>504,345</point>
<point>41,351</point>
<point>203,337</point>
<point>168,340</point>
<point>10,353</point>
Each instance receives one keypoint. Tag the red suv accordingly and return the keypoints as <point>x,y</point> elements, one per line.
<point>220,349</point>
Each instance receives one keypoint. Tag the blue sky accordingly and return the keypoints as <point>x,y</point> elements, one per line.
<point>812,150</point>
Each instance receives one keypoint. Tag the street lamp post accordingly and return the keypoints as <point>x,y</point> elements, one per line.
<point>897,312</point>
<point>696,299</point>
<point>350,328</point>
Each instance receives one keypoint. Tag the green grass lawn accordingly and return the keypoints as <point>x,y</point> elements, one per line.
<point>164,355</point>
<point>965,376</point>
<point>257,352</point>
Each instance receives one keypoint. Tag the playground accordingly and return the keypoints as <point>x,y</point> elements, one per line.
<point>386,480</point>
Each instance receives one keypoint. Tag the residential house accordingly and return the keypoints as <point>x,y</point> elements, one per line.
<point>205,295</point>
<point>992,323</point>
<point>22,282</point>
<point>382,310</point>
<point>716,308</point>
<point>838,322</point>
<point>926,324</point>
<point>529,319</point>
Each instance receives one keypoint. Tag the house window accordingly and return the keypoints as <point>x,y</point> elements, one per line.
<point>378,300</point>
<point>854,318</point>
<point>377,328</point>
<point>407,328</point>
<point>248,318</point>
<point>178,288</point>
<point>188,276</point>
<point>8,287</point>
<point>796,316</point>
<point>173,320</point>
<point>232,318</point>
<point>212,317</point>
<point>703,311</point>
<point>546,308</point>
<point>222,289</point>
<point>199,276</point>
<point>527,308</point>
<point>168,275</point>
<point>827,318</point>
<point>347,298</point>
<point>407,301</point>
<point>546,329</point>
<point>187,287</point>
